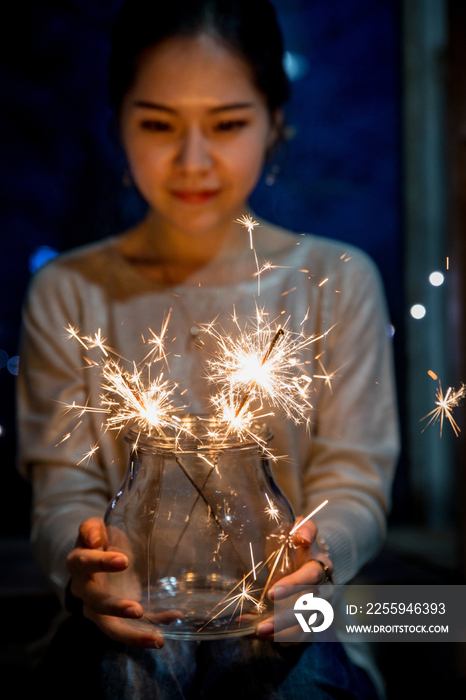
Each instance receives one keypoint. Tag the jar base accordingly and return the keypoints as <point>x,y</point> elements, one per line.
<point>189,633</point>
<point>182,614</point>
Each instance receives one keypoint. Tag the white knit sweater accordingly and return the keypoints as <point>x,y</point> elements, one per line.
<point>349,455</point>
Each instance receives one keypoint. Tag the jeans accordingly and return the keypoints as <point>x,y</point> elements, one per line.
<point>82,663</point>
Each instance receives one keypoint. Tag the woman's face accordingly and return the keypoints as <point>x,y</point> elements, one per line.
<point>195,130</point>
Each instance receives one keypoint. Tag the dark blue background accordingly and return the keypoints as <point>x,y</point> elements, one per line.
<point>61,174</point>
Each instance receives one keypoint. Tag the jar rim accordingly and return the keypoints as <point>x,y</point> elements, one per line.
<point>199,433</point>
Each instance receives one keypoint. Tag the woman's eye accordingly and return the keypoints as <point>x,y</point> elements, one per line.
<point>155,125</point>
<point>231,125</point>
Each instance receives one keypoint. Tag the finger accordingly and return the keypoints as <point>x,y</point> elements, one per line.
<point>281,628</point>
<point>92,533</point>
<point>283,619</point>
<point>266,629</point>
<point>305,534</point>
<point>291,635</point>
<point>119,631</point>
<point>310,574</point>
<point>103,603</point>
<point>166,618</point>
<point>85,562</point>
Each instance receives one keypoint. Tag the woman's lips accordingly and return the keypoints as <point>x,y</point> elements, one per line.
<point>194,196</point>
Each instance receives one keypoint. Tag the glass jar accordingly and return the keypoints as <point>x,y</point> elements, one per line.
<point>205,528</point>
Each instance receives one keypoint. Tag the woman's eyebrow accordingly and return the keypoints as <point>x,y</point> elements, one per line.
<point>154,105</point>
<point>235,105</point>
<point>214,110</point>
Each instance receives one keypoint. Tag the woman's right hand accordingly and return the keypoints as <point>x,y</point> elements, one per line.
<point>88,565</point>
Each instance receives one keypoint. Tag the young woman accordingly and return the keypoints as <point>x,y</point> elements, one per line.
<point>198,88</point>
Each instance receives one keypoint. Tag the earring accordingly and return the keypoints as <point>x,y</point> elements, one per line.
<point>272,175</point>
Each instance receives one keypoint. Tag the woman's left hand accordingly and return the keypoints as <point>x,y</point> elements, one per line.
<point>307,573</point>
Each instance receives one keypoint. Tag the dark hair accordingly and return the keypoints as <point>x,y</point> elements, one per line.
<point>248,26</point>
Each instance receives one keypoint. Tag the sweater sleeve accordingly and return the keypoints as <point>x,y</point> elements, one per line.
<point>66,491</point>
<point>354,441</point>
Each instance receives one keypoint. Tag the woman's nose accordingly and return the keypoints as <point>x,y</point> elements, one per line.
<point>194,154</point>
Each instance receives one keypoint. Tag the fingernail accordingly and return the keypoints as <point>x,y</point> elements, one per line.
<point>276,592</point>
<point>132,612</point>
<point>303,540</point>
<point>153,644</point>
<point>93,540</point>
<point>120,561</point>
<point>265,629</point>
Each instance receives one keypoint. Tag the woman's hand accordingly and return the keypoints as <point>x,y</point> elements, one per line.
<point>307,573</point>
<point>88,565</point>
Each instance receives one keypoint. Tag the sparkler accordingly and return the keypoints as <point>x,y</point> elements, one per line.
<point>260,364</point>
<point>278,560</point>
<point>445,405</point>
<point>131,397</point>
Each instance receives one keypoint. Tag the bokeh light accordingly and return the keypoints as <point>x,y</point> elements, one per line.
<point>390,330</point>
<point>40,256</point>
<point>295,65</point>
<point>13,364</point>
<point>418,311</point>
<point>436,279</point>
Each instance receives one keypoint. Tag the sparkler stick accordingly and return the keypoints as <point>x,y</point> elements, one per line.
<point>252,559</point>
<point>296,527</point>
<point>278,554</point>
<point>199,491</point>
<point>211,511</point>
<point>175,549</point>
<point>288,543</point>
<point>246,396</point>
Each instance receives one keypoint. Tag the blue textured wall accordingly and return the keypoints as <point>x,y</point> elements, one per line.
<point>61,174</point>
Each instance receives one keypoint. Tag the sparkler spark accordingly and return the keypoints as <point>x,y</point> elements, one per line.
<point>131,396</point>
<point>73,333</point>
<point>248,222</point>
<point>260,364</point>
<point>238,601</point>
<point>327,376</point>
<point>445,405</point>
<point>89,454</point>
<point>128,399</point>
<point>158,342</point>
<point>272,510</point>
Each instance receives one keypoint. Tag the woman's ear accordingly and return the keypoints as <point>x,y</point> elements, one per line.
<point>277,133</point>
<point>276,130</point>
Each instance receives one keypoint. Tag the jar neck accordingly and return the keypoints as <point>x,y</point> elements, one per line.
<point>200,434</point>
